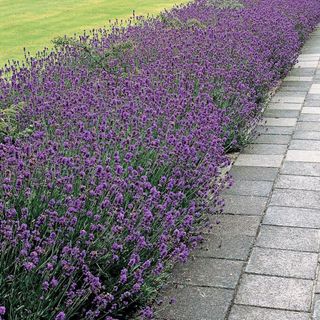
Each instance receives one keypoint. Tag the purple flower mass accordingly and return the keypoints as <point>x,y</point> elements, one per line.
<point>119,150</point>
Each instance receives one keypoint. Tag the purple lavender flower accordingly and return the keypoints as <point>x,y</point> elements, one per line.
<point>147,313</point>
<point>123,275</point>
<point>60,316</point>
<point>2,310</point>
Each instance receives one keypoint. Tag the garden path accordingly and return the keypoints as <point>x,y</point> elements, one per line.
<point>261,261</point>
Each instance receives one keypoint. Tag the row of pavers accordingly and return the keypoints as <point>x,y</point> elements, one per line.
<point>260,260</point>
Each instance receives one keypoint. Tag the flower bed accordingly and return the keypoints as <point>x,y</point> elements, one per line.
<point>117,148</point>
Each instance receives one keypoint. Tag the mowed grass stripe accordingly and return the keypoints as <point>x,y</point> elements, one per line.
<point>34,23</point>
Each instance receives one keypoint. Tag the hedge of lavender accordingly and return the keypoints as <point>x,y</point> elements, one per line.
<point>113,149</point>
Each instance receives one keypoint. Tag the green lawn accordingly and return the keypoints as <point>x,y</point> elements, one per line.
<point>34,23</point>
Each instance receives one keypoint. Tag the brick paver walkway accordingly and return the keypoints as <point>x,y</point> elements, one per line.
<point>261,262</point>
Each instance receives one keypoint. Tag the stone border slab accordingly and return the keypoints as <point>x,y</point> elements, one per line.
<point>256,160</point>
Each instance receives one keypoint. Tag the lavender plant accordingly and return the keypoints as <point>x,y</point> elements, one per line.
<point>128,140</point>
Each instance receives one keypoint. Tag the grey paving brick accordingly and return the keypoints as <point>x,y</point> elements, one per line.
<point>226,246</point>
<point>275,292</point>
<point>312,100</point>
<point>309,117</point>
<point>234,225</point>
<point>272,113</point>
<point>315,89</point>
<point>268,149</point>
<point>274,130</point>
<point>254,173</point>
<point>312,145</point>
<point>317,286</point>
<point>283,263</point>
<point>293,86</point>
<point>312,42</point>
<point>197,303</point>
<point>311,50</point>
<point>208,272</point>
<point>309,46</point>
<point>308,126</point>
<point>310,56</point>
<point>303,156</point>
<point>247,205</point>
<point>288,238</point>
<point>306,64</point>
<point>301,168</point>
<point>292,217</point>
<point>302,72</point>
<point>310,110</point>
<point>307,135</point>
<point>296,198</point>
<point>282,94</point>
<point>316,307</point>
<point>255,313</point>
<point>313,97</point>
<point>312,64</point>
<point>298,182</point>
<point>311,103</point>
<point>273,139</point>
<point>300,83</point>
<point>257,160</point>
<point>284,106</point>
<point>297,79</point>
<point>250,188</point>
<point>287,99</point>
<point>280,122</point>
